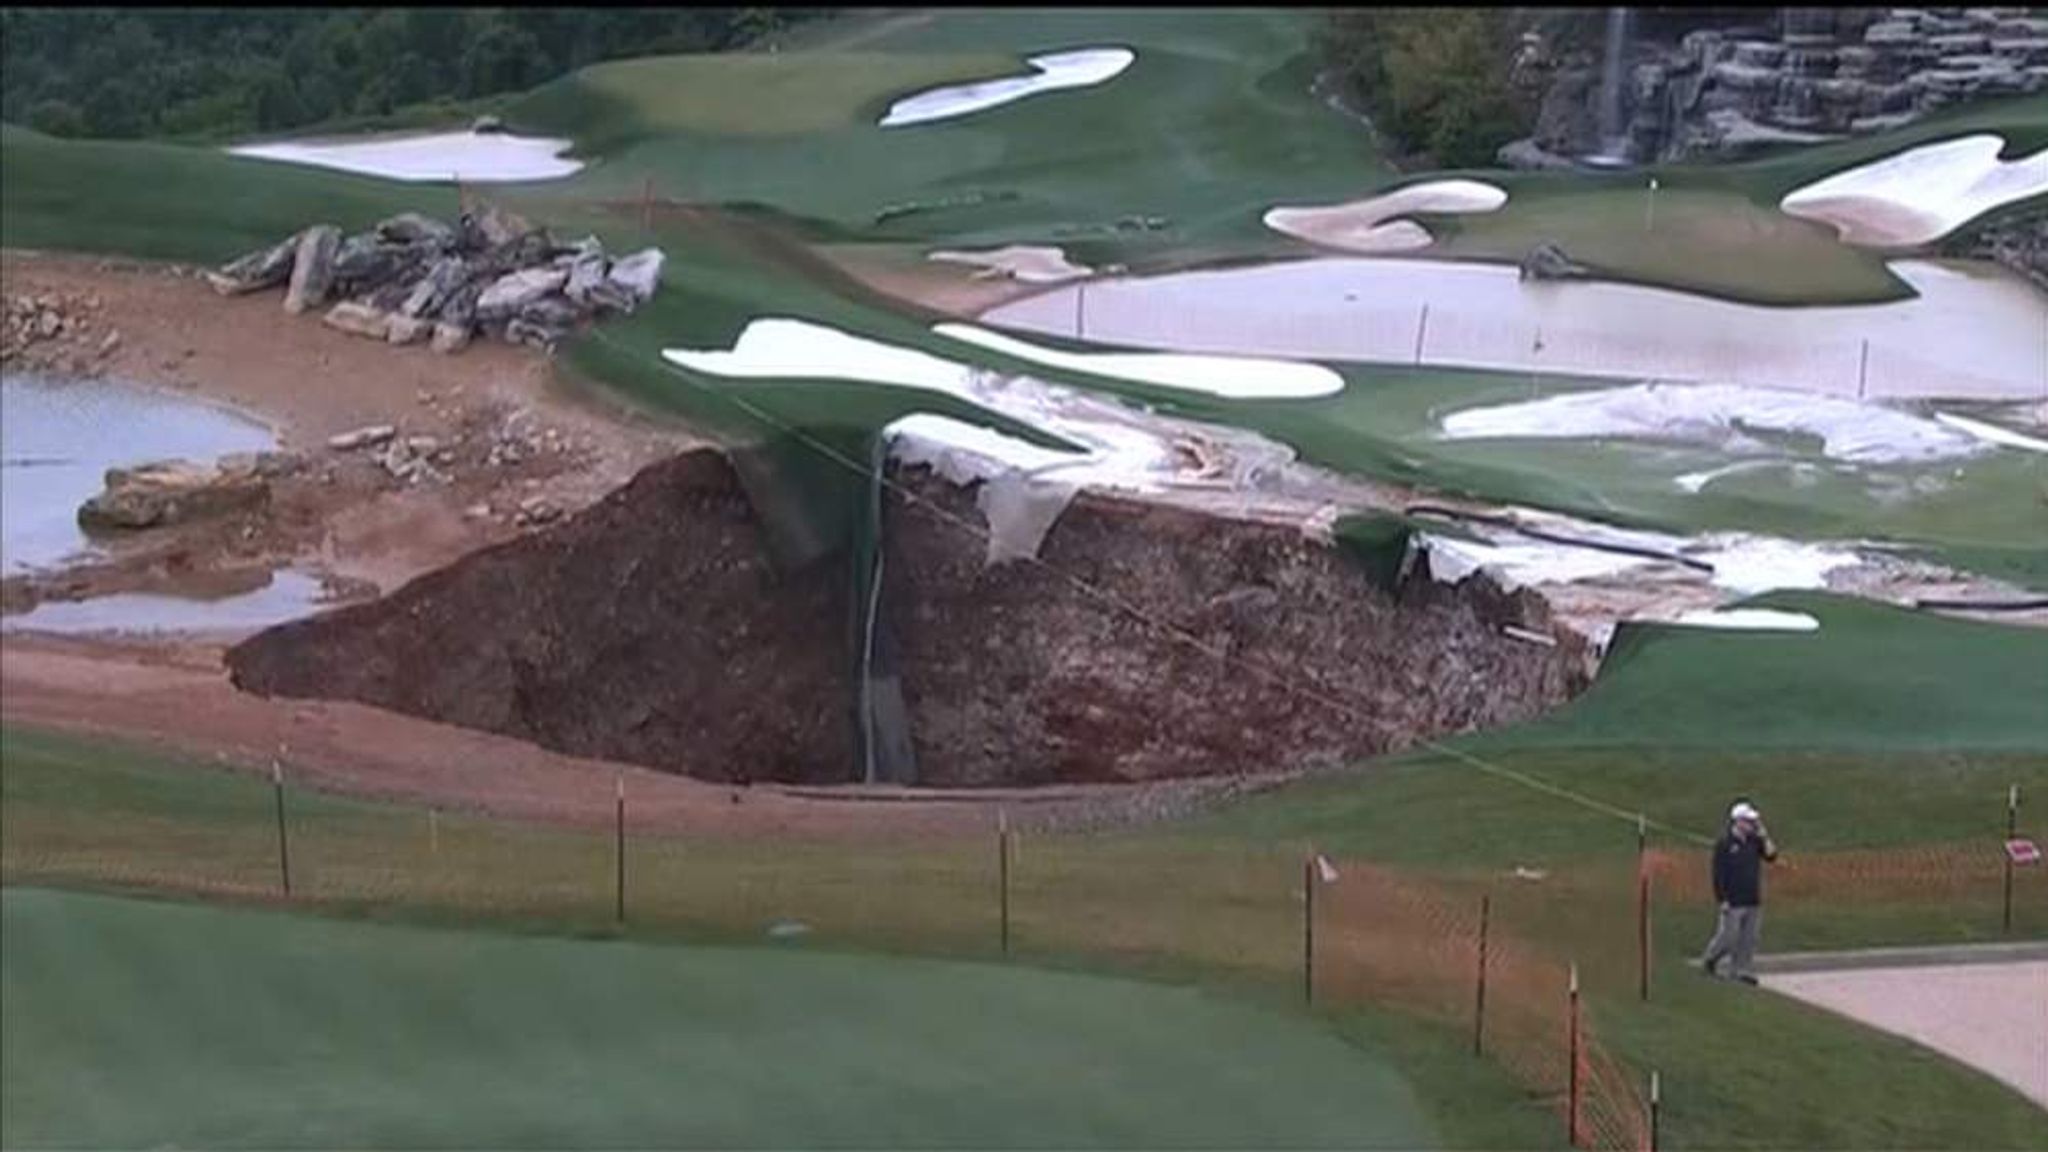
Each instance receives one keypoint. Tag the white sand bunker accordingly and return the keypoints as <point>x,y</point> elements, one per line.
<point>1750,620</point>
<point>1742,563</point>
<point>1718,415</point>
<point>1113,447</point>
<point>1031,263</point>
<point>472,157</point>
<point>1921,194</point>
<point>1233,377</point>
<point>1992,433</point>
<point>1076,69</point>
<point>1370,226</point>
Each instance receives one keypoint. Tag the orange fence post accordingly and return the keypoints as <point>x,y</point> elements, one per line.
<point>1003,874</point>
<point>284,851</point>
<point>1571,1123</point>
<point>1479,984</point>
<point>1642,907</point>
<point>1308,929</point>
<point>2012,832</point>
<point>1655,1104</point>
<point>619,793</point>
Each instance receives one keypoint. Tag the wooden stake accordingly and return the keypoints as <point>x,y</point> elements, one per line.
<point>1642,907</point>
<point>284,850</point>
<point>1308,929</point>
<point>1003,873</point>
<point>1572,1054</point>
<point>2012,831</point>
<point>1479,984</point>
<point>1656,1104</point>
<point>619,790</point>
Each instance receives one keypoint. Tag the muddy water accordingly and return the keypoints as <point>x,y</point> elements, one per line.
<point>58,437</point>
<point>285,595</point>
<point>1971,332</point>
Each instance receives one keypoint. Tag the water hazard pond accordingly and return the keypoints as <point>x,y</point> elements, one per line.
<point>57,439</point>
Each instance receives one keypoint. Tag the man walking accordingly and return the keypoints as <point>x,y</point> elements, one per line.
<point>1739,857</point>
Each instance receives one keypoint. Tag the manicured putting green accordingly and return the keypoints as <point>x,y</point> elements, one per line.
<point>134,1023</point>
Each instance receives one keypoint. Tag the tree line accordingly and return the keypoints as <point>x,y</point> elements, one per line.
<point>1440,84</point>
<point>1435,81</point>
<point>210,72</point>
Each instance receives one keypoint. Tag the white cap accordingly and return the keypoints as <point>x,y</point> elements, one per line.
<point>1744,811</point>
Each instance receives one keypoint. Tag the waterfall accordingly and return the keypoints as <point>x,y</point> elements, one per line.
<point>1610,83</point>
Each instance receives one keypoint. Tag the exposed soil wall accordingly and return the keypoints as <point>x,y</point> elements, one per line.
<point>649,628</point>
<point>1013,675</point>
<point>653,629</point>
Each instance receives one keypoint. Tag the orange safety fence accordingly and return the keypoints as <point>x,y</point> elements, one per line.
<point>1389,939</point>
<point>1935,870</point>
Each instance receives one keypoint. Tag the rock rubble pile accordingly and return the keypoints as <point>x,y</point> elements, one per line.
<point>412,278</point>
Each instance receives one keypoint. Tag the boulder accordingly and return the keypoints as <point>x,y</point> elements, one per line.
<point>586,272</point>
<point>460,307</point>
<point>450,337</point>
<point>639,274</point>
<point>485,125</point>
<point>413,228</point>
<point>255,271</point>
<point>171,492</point>
<point>510,294</point>
<point>365,264</point>
<point>1547,261</point>
<point>534,335</point>
<point>497,227</point>
<point>432,290</point>
<point>402,329</point>
<point>267,465</point>
<point>312,275</point>
<point>364,437</point>
<point>359,319</point>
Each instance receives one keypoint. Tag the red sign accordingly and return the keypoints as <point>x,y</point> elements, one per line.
<point>2023,851</point>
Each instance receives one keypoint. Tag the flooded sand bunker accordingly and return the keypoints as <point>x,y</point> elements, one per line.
<point>1971,333</point>
<point>653,628</point>
<point>472,157</point>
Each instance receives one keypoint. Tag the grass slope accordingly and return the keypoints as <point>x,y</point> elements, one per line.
<point>1211,905</point>
<point>133,1023</point>
<point>165,202</point>
<point>1884,728</point>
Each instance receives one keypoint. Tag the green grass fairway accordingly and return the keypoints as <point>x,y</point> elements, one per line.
<point>167,202</point>
<point>140,1024</point>
<point>1886,727</point>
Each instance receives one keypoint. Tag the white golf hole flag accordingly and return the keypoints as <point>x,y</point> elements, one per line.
<point>1325,871</point>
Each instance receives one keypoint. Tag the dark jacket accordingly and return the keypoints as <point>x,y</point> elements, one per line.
<point>1739,869</point>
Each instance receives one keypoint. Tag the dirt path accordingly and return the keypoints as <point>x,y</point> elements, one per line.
<point>176,696</point>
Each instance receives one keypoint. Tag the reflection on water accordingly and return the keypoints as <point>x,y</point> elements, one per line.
<point>287,595</point>
<point>58,438</point>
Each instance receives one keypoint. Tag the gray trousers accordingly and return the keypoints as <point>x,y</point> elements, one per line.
<point>1735,935</point>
